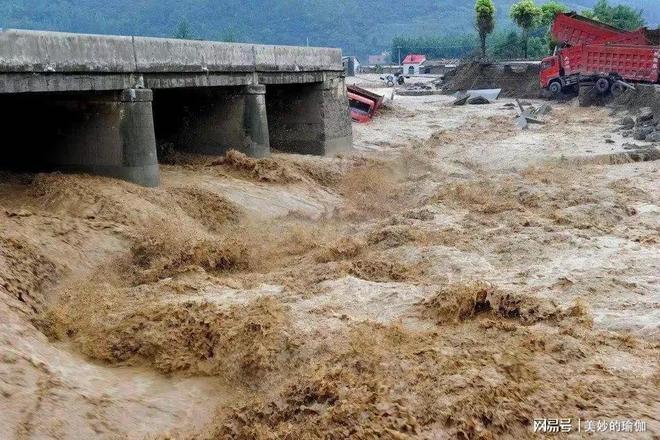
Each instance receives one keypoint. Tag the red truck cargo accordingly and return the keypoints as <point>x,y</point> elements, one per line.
<point>632,63</point>
<point>603,64</point>
<point>572,29</point>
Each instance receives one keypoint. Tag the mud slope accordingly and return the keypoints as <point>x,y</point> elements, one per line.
<point>453,277</point>
<point>516,79</point>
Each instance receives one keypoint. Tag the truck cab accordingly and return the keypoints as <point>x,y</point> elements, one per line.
<point>363,103</point>
<point>362,108</point>
<point>550,75</point>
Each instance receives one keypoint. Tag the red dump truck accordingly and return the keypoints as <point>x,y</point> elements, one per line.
<point>589,51</point>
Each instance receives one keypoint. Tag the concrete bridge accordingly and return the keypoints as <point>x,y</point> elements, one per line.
<point>101,104</point>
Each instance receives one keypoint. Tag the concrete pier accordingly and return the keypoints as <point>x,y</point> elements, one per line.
<point>101,104</point>
<point>309,119</point>
<point>255,122</point>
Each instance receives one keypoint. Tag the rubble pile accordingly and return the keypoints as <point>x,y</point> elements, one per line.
<point>420,88</point>
<point>527,113</point>
<point>642,128</point>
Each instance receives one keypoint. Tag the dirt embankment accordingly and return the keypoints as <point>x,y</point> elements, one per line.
<point>517,80</point>
<point>414,296</point>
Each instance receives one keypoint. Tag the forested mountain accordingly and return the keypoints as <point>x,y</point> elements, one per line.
<point>357,26</point>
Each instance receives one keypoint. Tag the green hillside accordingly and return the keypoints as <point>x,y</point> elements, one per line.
<point>357,26</point>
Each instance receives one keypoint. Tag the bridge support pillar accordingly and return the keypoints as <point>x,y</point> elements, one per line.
<point>255,122</point>
<point>214,120</point>
<point>310,118</point>
<point>109,134</point>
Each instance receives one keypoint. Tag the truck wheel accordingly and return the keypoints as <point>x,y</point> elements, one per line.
<point>555,88</point>
<point>602,85</point>
<point>617,89</point>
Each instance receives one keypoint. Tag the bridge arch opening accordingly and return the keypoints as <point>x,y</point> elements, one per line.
<point>211,120</point>
<point>103,133</point>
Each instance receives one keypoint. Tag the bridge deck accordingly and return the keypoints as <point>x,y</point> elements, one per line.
<point>38,61</point>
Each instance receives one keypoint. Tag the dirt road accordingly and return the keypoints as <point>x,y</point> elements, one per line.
<point>454,277</point>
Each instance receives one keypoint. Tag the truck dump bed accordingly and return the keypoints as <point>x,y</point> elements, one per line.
<point>632,63</point>
<point>572,29</point>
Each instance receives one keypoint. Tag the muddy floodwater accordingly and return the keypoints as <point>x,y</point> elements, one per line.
<point>454,277</point>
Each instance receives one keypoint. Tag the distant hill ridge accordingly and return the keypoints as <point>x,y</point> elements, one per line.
<point>357,26</point>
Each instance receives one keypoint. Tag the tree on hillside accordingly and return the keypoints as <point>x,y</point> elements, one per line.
<point>549,11</point>
<point>183,31</point>
<point>525,14</point>
<point>620,16</point>
<point>485,21</point>
<point>505,45</point>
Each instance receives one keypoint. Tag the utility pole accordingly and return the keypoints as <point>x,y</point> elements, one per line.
<point>399,47</point>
